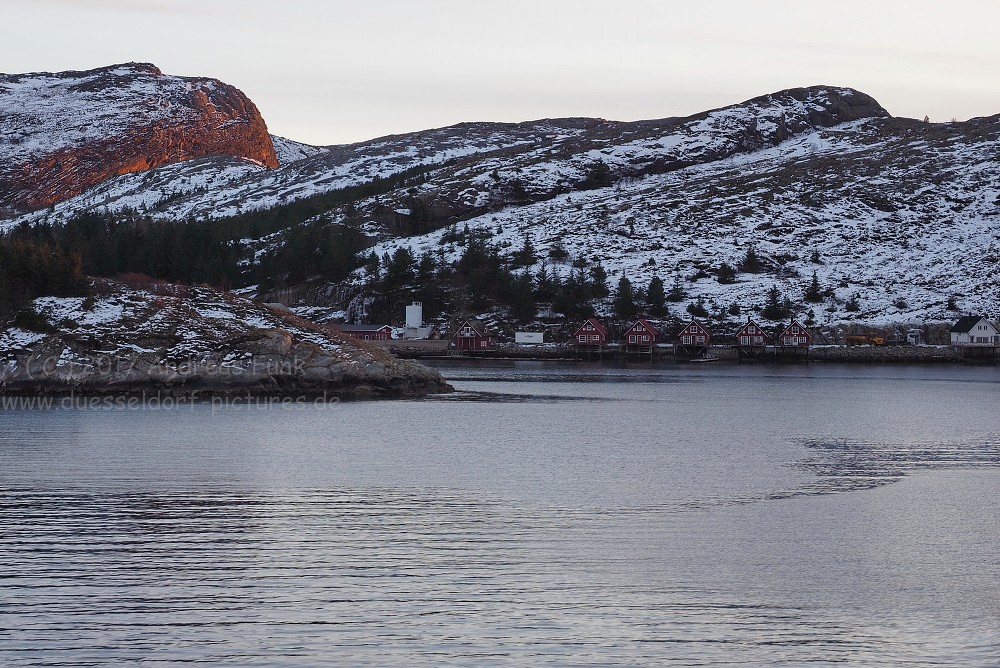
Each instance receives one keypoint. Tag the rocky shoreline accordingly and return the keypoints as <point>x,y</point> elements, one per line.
<point>831,354</point>
<point>204,344</point>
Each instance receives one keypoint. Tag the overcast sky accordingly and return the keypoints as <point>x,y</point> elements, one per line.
<point>336,71</point>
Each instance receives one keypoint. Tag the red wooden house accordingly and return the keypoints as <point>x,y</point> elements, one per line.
<point>641,335</point>
<point>694,335</point>
<point>472,335</point>
<point>795,336</point>
<point>367,332</point>
<point>591,333</point>
<point>751,335</point>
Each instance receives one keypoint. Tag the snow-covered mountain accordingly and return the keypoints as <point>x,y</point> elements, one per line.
<point>62,133</point>
<point>901,215</point>
<point>896,214</point>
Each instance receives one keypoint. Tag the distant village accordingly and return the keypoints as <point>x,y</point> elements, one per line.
<point>971,335</point>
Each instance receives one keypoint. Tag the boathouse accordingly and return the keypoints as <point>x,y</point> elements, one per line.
<point>693,339</point>
<point>795,337</point>
<point>640,338</point>
<point>751,340</point>
<point>472,335</point>
<point>592,333</point>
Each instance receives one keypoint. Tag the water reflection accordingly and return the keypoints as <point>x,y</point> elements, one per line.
<point>375,577</point>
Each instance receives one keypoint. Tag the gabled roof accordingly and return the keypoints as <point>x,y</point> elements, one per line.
<point>694,321</point>
<point>749,323</point>
<point>645,325</point>
<point>598,326</point>
<point>966,323</point>
<point>476,324</point>
<point>795,323</point>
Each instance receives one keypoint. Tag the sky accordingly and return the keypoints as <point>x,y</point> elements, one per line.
<point>338,71</point>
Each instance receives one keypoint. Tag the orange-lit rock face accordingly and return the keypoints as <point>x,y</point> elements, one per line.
<point>62,133</point>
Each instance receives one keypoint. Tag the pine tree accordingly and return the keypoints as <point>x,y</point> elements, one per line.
<point>776,308</point>
<point>526,256</point>
<point>625,301</point>
<point>599,282</point>
<point>677,292</point>
<point>814,293</point>
<point>656,298</point>
<point>751,262</point>
<point>726,274</point>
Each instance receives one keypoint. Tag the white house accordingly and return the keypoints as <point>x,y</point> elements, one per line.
<point>974,330</point>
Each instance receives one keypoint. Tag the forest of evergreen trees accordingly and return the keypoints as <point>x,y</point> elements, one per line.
<point>54,259</point>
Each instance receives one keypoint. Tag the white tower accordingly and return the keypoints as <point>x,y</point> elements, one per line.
<point>415,315</point>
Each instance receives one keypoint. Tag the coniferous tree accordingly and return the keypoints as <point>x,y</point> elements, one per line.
<point>625,300</point>
<point>677,292</point>
<point>599,282</point>
<point>656,298</point>
<point>776,307</point>
<point>814,293</point>
<point>751,262</point>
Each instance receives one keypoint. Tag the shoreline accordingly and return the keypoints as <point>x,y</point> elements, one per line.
<point>930,355</point>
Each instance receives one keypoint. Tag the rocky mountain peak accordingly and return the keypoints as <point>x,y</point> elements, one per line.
<point>62,133</point>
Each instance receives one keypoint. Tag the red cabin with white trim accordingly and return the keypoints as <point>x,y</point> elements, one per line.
<point>751,335</point>
<point>795,336</point>
<point>694,335</point>
<point>591,333</point>
<point>640,334</point>
<point>472,335</point>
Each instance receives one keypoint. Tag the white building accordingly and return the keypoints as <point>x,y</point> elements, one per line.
<point>974,330</point>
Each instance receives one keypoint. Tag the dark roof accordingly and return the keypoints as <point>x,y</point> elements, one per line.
<point>965,324</point>
<point>360,328</point>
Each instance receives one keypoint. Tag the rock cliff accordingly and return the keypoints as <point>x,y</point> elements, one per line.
<point>63,133</point>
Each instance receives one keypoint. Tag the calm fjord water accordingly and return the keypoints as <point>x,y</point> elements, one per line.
<point>545,515</point>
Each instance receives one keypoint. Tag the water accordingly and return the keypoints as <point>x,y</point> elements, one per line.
<point>547,514</point>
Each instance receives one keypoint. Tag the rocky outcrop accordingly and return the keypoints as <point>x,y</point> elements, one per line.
<point>63,133</point>
<point>194,341</point>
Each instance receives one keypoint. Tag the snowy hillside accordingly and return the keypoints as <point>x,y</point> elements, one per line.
<point>896,215</point>
<point>899,214</point>
<point>289,151</point>
<point>318,170</point>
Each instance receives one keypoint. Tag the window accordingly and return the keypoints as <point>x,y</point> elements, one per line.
<point>582,338</point>
<point>744,340</point>
<point>686,340</point>
<point>588,327</point>
<point>795,330</point>
<point>482,344</point>
<point>596,338</point>
<point>631,339</point>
